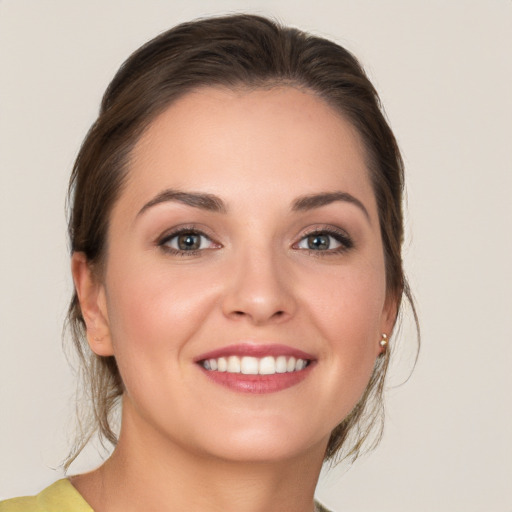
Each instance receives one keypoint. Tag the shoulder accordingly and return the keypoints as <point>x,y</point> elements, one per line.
<point>25,504</point>
<point>57,497</point>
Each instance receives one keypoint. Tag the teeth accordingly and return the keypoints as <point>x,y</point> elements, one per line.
<point>249,366</point>
<point>267,366</point>
<point>246,365</point>
<point>281,364</point>
<point>233,364</point>
<point>222,364</point>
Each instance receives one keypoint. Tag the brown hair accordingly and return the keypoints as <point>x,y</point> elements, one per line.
<point>233,51</point>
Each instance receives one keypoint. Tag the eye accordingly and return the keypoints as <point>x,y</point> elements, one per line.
<point>186,241</point>
<point>325,241</point>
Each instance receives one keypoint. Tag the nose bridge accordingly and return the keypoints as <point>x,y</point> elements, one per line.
<point>259,286</point>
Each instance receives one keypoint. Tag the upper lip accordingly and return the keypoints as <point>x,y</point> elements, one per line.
<point>255,350</point>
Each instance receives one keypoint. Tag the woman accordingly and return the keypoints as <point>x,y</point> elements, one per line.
<point>236,231</point>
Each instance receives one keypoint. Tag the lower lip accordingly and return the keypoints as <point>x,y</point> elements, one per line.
<point>258,384</point>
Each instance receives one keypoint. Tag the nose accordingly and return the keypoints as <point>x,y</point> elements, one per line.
<point>259,290</point>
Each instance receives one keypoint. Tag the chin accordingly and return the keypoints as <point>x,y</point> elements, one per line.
<point>266,443</point>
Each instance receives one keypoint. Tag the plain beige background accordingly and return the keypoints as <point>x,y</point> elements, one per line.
<point>444,72</point>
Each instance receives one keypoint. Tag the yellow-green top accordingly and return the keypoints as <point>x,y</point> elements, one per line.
<point>62,497</point>
<point>59,497</point>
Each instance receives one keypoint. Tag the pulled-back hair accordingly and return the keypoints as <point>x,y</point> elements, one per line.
<point>239,51</point>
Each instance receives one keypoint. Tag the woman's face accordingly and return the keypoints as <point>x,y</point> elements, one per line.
<point>244,293</point>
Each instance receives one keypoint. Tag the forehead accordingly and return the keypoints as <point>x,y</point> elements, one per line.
<point>226,142</point>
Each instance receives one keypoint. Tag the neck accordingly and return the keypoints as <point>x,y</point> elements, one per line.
<point>156,475</point>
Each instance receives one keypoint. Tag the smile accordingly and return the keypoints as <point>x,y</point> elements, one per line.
<point>247,365</point>
<point>255,368</point>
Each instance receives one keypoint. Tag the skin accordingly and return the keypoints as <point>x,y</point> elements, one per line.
<point>187,442</point>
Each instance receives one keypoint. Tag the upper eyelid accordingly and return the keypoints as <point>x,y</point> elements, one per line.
<point>173,232</point>
<point>339,234</point>
<point>330,230</point>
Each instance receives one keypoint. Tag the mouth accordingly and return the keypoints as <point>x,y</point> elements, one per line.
<point>248,365</point>
<point>250,368</point>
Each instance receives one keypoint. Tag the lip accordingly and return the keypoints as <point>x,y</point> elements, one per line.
<point>257,384</point>
<point>255,350</point>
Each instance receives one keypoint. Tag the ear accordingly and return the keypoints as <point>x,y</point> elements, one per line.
<point>388,318</point>
<point>91,295</point>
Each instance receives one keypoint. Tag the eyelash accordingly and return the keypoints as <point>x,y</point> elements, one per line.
<point>185,230</point>
<point>340,236</point>
<point>345,241</point>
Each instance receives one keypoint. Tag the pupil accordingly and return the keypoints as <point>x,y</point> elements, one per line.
<point>188,242</point>
<point>318,242</point>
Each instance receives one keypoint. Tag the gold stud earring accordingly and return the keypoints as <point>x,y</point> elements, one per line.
<point>384,341</point>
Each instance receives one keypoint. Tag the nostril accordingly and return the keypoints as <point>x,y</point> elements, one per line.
<point>277,314</point>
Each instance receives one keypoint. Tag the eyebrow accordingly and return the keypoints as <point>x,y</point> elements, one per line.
<point>312,201</point>
<point>207,202</point>
<point>212,203</point>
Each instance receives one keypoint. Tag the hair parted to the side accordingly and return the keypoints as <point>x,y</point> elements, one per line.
<point>239,51</point>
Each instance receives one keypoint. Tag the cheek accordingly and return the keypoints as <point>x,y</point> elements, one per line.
<point>349,317</point>
<point>153,317</point>
<point>155,308</point>
<point>349,302</point>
